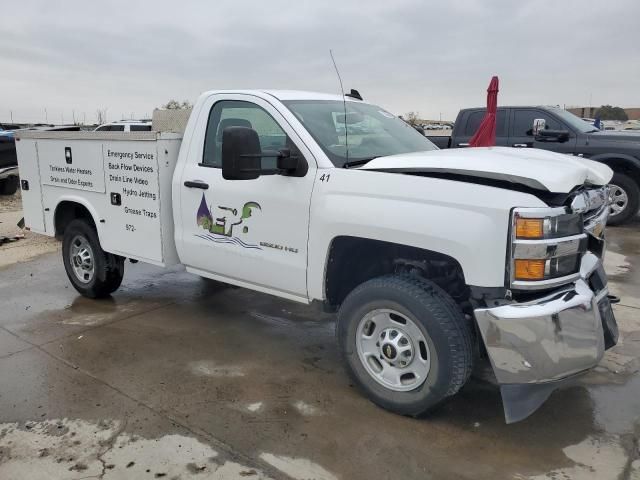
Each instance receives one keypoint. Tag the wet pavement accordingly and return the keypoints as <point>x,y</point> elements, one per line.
<point>180,377</point>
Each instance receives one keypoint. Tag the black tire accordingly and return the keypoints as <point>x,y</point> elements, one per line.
<point>631,188</point>
<point>108,269</point>
<point>9,186</point>
<point>448,334</point>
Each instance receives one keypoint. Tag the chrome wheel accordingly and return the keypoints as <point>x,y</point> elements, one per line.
<point>618,200</point>
<point>393,350</point>
<point>81,259</point>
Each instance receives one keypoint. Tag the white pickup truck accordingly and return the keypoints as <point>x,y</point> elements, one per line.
<point>434,260</point>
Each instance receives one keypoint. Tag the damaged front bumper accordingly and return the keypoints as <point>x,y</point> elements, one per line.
<point>537,346</point>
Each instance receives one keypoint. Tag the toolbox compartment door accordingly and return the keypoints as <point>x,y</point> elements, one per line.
<point>27,151</point>
<point>133,206</point>
<point>71,164</point>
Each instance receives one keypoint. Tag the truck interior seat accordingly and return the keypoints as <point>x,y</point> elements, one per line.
<point>231,122</point>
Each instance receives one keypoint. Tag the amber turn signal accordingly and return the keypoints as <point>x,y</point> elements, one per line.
<point>529,269</point>
<point>529,227</point>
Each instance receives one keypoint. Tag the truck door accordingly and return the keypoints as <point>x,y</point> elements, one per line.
<point>245,231</point>
<point>522,131</point>
<point>472,121</point>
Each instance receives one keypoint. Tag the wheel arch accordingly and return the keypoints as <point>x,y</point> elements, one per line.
<point>622,163</point>
<point>69,209</point>
<point>354,260</point>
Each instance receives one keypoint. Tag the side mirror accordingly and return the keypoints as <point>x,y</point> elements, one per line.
<point>284,160</point>
<point>242,157</point>
<point>288,163</point>
<point>538,126</point>
<point>241,154</point>
<point>552,136</point>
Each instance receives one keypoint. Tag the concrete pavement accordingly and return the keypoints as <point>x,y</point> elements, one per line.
<point>179,377</point>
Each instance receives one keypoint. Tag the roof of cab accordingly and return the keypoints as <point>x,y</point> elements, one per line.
<point>285,95</point>
<point>303,95</point>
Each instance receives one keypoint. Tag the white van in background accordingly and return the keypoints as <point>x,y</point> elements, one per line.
<point>125,126</point>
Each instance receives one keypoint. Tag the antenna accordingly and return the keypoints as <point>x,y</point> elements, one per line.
<point>344,104</point>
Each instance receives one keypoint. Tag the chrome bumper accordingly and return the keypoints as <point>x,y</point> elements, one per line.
<point>533,346</point>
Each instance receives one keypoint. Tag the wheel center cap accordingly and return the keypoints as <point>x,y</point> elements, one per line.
<point>389,351</point>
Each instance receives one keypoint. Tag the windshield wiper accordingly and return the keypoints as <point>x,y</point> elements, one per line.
<point>360,161</point>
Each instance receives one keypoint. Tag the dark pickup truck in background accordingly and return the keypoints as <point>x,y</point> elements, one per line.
<point>555,129</point>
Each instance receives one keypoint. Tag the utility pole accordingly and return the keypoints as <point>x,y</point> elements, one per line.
<point>73,115</point>
<point>46,116</point>
<point>11,115</point>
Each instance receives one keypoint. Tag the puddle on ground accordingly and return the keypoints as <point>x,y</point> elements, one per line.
<point>616,407</point>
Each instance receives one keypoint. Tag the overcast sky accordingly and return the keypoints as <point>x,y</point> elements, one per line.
<point>434,57</point>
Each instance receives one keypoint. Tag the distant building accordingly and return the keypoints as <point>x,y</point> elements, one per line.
<point>590,112</point>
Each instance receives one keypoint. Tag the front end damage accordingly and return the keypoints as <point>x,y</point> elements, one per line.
<point>540,344</point>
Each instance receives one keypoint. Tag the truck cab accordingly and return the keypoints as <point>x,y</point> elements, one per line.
<point>432,260</point>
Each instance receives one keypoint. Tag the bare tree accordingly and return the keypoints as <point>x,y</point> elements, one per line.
<point>175,105</point>
<point>412,118</point>
<point>101,115</point>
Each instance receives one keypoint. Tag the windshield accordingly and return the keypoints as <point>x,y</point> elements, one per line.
<point>365,132</point>
<point>574,121</point>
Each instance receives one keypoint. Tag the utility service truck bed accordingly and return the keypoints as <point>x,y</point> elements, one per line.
<point>123,179</point>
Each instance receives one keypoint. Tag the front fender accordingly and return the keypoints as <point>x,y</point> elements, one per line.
<point>465,221</point>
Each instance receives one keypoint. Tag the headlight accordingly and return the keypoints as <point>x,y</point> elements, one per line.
<point>557,226</point>
<point>546,247</point>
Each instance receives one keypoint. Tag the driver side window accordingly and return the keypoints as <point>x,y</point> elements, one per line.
<point>523,122</point>
<point>235,113</point>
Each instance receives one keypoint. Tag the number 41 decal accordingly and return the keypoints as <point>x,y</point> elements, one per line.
<point>325,177</point>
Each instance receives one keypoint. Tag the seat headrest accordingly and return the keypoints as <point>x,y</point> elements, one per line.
<point>231,122</point>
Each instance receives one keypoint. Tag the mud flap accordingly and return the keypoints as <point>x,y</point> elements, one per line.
<point>609,323</point>
<point>520,401</point>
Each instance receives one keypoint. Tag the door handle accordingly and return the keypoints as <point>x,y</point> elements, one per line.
<point>521,145</point>
<point>196,184</point>
<point>463,144</point>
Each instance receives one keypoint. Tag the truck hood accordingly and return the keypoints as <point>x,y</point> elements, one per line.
<point>623,136</point>
<point>530,167</point>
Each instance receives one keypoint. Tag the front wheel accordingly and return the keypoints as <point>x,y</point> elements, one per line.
<point>624,198</point>
<point>405,342</point>
<point>92,271</point>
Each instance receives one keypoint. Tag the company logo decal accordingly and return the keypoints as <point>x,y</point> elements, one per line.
<point>228,223</point>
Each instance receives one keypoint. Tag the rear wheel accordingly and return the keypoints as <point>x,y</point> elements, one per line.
<point>405,342</point>
<point>9,186</point>
<point>624,197</point>
<point>92,271</point>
